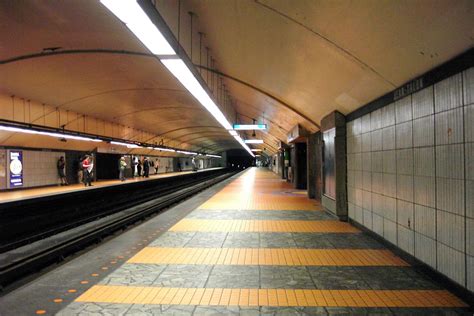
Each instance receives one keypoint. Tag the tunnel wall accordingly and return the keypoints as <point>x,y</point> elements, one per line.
<point>411,175</point>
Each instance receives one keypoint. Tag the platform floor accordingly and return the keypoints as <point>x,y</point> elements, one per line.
<point>251,245</point>
<point>27,193</point>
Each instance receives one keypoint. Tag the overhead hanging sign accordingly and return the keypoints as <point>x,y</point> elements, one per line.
<point>16,168</point>
<point>297,134</point>
<point>244,127</point>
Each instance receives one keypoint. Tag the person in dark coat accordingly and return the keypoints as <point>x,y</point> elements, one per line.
<point>146,167</point>
<point>62,170</point>
<point>139,167</point>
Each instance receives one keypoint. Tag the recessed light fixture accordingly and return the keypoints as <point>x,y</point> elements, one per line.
<point>253,141</point>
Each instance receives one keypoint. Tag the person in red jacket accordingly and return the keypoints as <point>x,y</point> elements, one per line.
<point>87,166</point>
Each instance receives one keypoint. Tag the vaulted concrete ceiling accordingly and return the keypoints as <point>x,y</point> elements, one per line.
<point>316,56</point>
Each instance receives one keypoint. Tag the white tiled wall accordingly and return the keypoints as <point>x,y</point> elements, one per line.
<point>39,168</point>
<point>411,175</point>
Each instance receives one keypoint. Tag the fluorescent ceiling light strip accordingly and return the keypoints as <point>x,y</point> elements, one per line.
<point>253,141</point>
<point>179,69</point>
<point>233,133</point>
<point>186,152</point>
<point>165,149</point>
<point>246,127</point>
<point>215,156</point>
<point>244,145</point>
<point>256,149</point>
<point>51,134</point>
<point>130,13</point>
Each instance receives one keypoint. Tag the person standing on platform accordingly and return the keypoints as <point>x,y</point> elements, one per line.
<point>157,165</point>
<point>146,167</point>
<point>122,166</point>
<point>61,165</point>
<point>139,167</point>
<point>87,166</point>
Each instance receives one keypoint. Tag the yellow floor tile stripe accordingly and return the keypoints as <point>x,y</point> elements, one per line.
<point>269,297</point>
<point>268,256</point>
<point>206,225</point>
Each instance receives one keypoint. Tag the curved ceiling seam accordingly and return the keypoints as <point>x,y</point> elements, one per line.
<point>344,51</point>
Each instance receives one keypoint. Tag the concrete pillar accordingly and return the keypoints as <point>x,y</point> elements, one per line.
<point>314,166</point>
<point>334,198</point>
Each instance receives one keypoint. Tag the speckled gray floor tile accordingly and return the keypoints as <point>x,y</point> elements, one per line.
<point>169,310</point>
<point>208,239</point>
<point>275,277</point>
<point>335,240</point>
<point>95,309</point>
<point>183,276</point>
<point>234,277</point>
<point>134,274</point>
<point>229,310</point>
<point>172,239</point>
<point>389,278</point>
<point>241,240</point>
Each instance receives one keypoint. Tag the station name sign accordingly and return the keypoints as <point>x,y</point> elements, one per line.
<point>409,88</point>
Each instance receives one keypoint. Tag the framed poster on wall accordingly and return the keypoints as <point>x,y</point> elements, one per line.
<point>15,158</point>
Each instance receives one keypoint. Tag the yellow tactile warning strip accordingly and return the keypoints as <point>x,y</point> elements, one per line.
<point>268,256</point>
<point>269,297</point>
<point>260,190</point>
<point>207,225</point>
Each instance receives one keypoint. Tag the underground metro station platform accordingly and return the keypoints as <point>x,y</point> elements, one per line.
<point>237,157</point>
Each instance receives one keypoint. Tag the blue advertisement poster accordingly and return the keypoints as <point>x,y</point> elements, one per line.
<point>16,168</point>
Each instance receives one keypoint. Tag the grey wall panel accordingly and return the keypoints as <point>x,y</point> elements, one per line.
<point>425,220</point>
<point>404,138</point>
<point>357,144</point>
<point>450,195</point>
<point>390,208</point>
<point>377,222</point>
<point>468,82</point>
<point>376,119</point>
<point>376,140</point>
<point>367,161</point>
<point>365,124</point>
<point>405,161</point>
<point>367,200</point>
<point>388,138</point>
<point>424,190</point>
<point>470,198</point>
<point>405,213</point>
<point>390,231</point>
<point>423,104</point>
<point>450,161</point>
<point>403,110</point>
<point>405,187</point>
<point>450,230</point>
<point>390,184</point>
<point>425,249</point>
<point>377,161</point>
<point>388,115</point>
<point>469,123</point>
<point>470,236</point>
<point>470,273</point>
<point>424,161</point>
<point>406,239</point>
<point>358,179</point>
<point>423,131</point>
<point>377,203</point>
<point>367,180</point>
<point>448,94</point>
<point>368,219</point>
<point>451,263</point>
<point>377,182</point>
<point>449,127</point>
<point>366,142</point>
<point>389,161</point>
